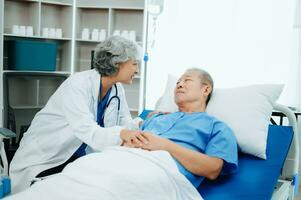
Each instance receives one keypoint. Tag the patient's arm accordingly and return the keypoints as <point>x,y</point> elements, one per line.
<point>197,163</point>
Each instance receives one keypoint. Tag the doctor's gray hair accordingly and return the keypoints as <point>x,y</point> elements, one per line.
<point>205,78</point>
<point>113,51</point>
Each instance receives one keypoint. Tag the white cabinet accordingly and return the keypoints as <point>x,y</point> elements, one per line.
<point>38,87</point>
<point>39,15</point>
<point>28,91</point>
<point>58,16</point>
<point>111,16</point>
<point>127,19</point>
<point>24,13</point>
<point>91,18</point>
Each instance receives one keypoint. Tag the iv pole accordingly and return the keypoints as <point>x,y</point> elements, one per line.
<point>157,8</point>
<point>145,58</point>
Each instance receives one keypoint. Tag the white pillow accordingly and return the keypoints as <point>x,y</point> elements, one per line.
<point>167,102</point>
<point>246,110</point>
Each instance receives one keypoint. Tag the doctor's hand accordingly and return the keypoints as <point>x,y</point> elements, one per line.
<point>132,138</point>
<point>155,142</point>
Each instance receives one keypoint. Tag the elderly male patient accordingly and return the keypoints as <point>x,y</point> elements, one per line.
<point>188,142</point>
<point>201,145</point>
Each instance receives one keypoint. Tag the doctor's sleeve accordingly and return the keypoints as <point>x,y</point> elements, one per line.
<point>222,144</point>
<point>76,109</point>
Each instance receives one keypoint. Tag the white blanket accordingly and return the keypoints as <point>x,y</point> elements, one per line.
<point>116,173</point>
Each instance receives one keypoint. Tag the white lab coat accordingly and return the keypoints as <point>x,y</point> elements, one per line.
<point>68,120</point>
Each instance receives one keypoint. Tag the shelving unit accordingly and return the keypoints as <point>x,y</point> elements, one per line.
<point>83,55</point>
<point>36,37</point>
<point>21,13</point>
<point>30,90</point>
<point>127,19</point>
<point>111,4</point>
<point>41,73</point>
<point>109,15</point>
<point>61,2</point>
<point>63,60</point>
<point>57,16</point>
<point>27,92</point>
<point>92,18</point>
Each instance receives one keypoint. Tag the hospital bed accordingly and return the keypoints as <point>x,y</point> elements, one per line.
<point>261,179</point>
<point>275,178</point>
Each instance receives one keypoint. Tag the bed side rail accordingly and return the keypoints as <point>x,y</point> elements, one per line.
<point>291,166</point>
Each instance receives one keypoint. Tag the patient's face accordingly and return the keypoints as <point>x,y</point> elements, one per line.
<point>189,88</point>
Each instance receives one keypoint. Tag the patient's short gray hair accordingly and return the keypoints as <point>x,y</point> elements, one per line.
<point>205,77</point>
<point>113,51</point>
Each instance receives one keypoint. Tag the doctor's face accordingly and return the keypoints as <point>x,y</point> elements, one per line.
<point>127,71</point>
<point>190,88</point>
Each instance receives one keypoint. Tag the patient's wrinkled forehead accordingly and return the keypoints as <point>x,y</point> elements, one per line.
<point>191,74</point>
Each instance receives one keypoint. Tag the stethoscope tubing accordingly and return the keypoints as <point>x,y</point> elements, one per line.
<point>118,103</point>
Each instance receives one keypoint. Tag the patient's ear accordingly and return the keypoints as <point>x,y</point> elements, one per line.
<point>207,89</point>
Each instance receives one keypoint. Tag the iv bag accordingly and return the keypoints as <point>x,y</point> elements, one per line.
<point>155,7</point>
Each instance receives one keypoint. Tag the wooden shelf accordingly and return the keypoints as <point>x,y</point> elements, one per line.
<point>26,107</point>
<point>56,3</point>
<point>128,8</point>
<point>93,7</point>
<point>135,4</point>
<point>29,89</point>
<point>49,73</point>
<point>27,1</point>
<point>111,7</point>
<point>36,37</point>
<point>90,41</point>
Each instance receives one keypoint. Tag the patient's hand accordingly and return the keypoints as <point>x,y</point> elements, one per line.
<point>132,138</point>
<point>155,142</point>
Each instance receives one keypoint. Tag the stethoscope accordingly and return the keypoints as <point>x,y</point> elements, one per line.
<point>116,97</point>
<point>118,103</point>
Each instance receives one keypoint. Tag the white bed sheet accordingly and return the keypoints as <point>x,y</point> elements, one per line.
<point>116,173</point>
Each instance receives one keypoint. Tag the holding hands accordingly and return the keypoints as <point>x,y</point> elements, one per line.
<point>144,140</point>
<point>155,142</point>
<point>132,138</point>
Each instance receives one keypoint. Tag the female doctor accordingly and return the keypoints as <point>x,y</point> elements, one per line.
<point>87,112</point>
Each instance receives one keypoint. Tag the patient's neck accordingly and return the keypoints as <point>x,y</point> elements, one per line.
<point>190,107</point>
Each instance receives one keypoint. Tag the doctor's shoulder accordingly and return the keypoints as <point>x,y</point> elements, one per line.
<point>82,79</point>
<point>83,75</point>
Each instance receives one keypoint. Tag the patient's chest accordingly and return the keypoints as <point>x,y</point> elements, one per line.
<point>192,130</point>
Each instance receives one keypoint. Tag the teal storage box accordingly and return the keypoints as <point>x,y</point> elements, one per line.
<point>32,55</point>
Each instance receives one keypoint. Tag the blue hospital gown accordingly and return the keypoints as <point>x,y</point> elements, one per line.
<point>196,131</point>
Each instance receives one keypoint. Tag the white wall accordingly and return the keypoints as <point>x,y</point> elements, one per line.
<point>238,42</point>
